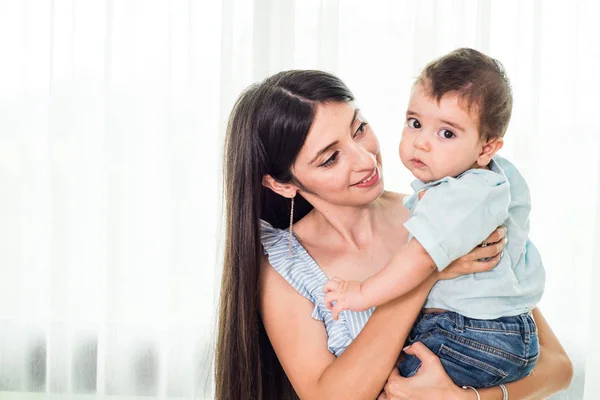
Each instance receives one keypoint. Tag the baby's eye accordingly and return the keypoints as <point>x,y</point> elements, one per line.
<point>413,123</point>
<point>446,134</point>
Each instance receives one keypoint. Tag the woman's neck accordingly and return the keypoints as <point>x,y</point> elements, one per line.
<point>354,227</point>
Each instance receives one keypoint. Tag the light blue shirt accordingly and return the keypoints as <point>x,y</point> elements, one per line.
<point>455,215</point>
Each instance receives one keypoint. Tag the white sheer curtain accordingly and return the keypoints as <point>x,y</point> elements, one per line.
<point>109,160</point>
<point>111,122</point>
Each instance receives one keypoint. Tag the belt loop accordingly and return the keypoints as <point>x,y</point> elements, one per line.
<point>526,328</point>
<point>460,322</point>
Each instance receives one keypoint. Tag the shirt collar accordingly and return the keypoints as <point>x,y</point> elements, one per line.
<point>419,185</point>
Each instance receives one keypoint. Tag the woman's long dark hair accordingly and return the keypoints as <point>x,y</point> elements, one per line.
<point>267,128</point>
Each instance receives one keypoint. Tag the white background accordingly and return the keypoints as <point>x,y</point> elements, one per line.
<point>112,117</point>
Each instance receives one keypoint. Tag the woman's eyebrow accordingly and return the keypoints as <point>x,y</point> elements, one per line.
<point>323,150</point>
<point>356,111</point>
<point>330,145</point>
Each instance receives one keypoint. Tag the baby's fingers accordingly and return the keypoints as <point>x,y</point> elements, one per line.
<point>330,298</point>
<point>332,284</point>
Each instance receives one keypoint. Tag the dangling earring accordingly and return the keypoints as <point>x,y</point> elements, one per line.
<point>291,222</point>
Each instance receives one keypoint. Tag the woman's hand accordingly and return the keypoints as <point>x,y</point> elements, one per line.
<point>480,259</point>
<point>430,381</point>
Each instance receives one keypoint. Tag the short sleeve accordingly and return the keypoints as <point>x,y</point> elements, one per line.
<point>456,215</point>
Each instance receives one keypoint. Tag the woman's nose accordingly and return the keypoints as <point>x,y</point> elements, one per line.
<point>364,158</point>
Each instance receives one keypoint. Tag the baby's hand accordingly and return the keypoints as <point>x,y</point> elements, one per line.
<point>346,295</point>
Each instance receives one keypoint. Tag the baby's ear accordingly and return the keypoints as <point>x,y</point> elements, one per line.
<point>490,147</point>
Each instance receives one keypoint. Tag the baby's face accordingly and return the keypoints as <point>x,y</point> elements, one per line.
<point>439,139</point>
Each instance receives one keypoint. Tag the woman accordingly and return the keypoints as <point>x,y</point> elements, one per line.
<point>298,149</point>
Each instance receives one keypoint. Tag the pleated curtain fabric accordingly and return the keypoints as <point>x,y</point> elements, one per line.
<point>112,117</point>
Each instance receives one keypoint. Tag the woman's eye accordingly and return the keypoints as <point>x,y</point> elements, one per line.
<point>446,134</point>
<point>361,129</point>
<point>331,160</point>
<point>413,123</point>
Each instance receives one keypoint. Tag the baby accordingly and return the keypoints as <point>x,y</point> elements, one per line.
<point>479,325</point>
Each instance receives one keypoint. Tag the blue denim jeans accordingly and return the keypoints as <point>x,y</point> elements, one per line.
<point>478,353</point>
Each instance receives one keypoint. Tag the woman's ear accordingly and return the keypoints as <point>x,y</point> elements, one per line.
<point>283,189</point>
<point>488,150</point>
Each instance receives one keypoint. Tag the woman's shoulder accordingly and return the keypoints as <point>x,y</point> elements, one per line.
<point>285,255</point>
<point>394,197</point>
<point>269,279</point>
<point>393,205</point>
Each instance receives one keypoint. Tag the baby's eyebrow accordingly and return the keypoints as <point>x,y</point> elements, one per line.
<point>454,125</point>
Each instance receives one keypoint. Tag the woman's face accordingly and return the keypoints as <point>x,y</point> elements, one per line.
<point>340,162</point>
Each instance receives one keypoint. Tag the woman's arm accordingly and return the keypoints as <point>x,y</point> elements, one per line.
<point>301,342</point>
<point>552,373</point>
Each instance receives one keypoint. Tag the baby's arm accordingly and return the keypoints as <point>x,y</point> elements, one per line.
<point>448,221</point>
<point>407,270</point>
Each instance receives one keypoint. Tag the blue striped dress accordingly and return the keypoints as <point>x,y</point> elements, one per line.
<point>302,272</point>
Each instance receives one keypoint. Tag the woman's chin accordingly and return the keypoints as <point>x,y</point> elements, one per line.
<point>377,190</point>
<point>369,195</point>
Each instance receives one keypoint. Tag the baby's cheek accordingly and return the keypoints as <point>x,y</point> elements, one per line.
<point>402,148</point>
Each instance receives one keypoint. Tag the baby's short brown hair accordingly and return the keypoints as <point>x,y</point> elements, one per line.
<point>479,80</point>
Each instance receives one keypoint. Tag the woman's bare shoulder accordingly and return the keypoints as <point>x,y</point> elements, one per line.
<point>393,204</point>
<point>271,284</point>
<point>268,276</point>
<point>394,197</point>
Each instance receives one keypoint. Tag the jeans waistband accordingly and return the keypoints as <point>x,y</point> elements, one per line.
<point>523,323</point>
